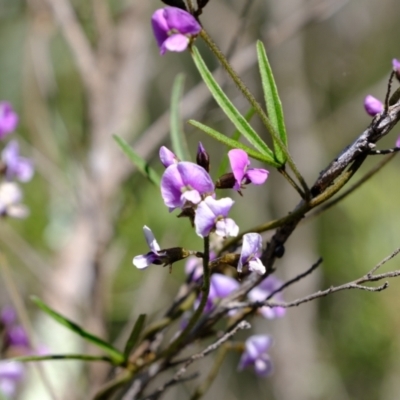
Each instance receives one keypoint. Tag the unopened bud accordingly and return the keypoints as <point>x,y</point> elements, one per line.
<point>202,158</point>
<point>226,181</point>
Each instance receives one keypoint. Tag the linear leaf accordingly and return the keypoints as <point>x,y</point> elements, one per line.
<point>134,336</point>
<point>178,139</point>
<point>272,101</point>
<point>140,163</point>
<point>55,357</point>
<point>235,144</point>
<point>227,106</point>
<point>116,356</point>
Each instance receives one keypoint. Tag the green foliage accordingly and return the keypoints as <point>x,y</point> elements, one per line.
<point>134,336</point>
<point>141,164</point>
<point>116,356</point>
<point>272,101</point>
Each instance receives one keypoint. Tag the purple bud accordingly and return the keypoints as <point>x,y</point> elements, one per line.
<point>372,105</point>
<point>174,28</point>
<point>255,355</point>
<point>8,119</point>
<point>396,68</point>
<point>202,158</point>
<point>398,142</point>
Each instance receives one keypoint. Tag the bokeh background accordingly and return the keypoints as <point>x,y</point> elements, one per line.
<point>78,72</point>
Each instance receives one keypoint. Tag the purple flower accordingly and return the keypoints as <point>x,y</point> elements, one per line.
<point>174,28</point>
<point>212,215</point>
<point>11,372</point>
<point>154,256</point>
<point>262,291</point>
<point>8,119</point>
<point>184,183</point>
<point>16,167</point>
<point>10,201</point>
<point>251,247</point>
<point>167,157</point>
<point>255,355</point>
<point>240,162</point>
<point>372,105</point>
<point>16,336</point>
<point>8,316</point>
<point>221,286</point>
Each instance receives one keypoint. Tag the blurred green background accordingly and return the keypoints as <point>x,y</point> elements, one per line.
<point>77,81</point>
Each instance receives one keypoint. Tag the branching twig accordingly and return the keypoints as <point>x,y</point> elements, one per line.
<point>198,356</point>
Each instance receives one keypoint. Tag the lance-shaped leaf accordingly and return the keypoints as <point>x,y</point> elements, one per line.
<point>272,101</point>
<point>179,144</point>
<point>55,357</point>
<point>228,108</point>
<point>134,336</point>
<point>116,356</point>
<point>140,163</point>
<point>268,159</point>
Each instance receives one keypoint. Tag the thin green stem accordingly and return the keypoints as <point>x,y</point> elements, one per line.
<point>257,107</point>
<point>205,290</point>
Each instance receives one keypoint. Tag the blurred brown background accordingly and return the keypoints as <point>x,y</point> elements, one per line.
<point>79,71</point>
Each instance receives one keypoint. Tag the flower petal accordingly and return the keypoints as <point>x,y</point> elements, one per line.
<point>252,243</point>
<point>167,157</point>
<point>160,27</point>
<point>226,227</point>
<point>257,176</point>
<point>239,161</point>
<point>181,20</point>
<point>372,105</point>
<point>223,285</point>
<point>176,42</point>
<point>151,240</point>
<point>257,266</point>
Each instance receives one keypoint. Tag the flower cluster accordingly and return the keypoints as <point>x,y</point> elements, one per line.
<point>13,167</point>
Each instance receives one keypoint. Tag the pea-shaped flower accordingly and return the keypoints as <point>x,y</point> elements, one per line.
<point>251,247</point>
<point>174,28</point>
<point>244,175</point>
<point>255,355</point>
<point>212,215</point>
<point>17,167</point>
<point>185,182</point>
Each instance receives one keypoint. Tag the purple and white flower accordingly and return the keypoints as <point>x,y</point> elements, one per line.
<point>262,292</point>
<point>8,119</point>
<point>154,256</point>
<point>372,105</point>
<point>17,167</point>
<point>244,175</point>
<point>255,355</point>
<point>174,28</point>
<point>183,184</point>
<point>251,248</point>
<point>211,215</point>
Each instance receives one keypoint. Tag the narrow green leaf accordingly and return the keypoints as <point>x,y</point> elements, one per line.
<point>140,163</point>
<point>235,136</point>
<point>116,356</point>
<point>134,336</point>
<point>55,357</point>
<point>178,139</point>
<point>227,106</point>
<point>272,101</point>
<point>235,144</point>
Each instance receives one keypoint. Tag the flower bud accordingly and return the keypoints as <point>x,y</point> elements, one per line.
<point>202,158</point>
